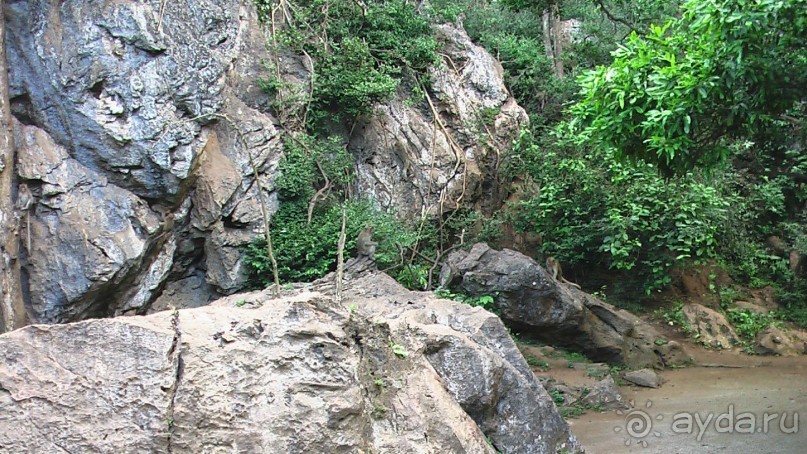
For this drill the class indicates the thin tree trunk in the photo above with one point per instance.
(12, 305)
(557, 41)
(546, 22)
(267, 232)
(340, 257)
(553, 46)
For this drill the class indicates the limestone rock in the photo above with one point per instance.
(537, 306)
(605, 394)
(394, 372)
(409, 160)
(777, 341)
(88, 237)
(155, 109)
(141, 125)
(710, 327)
(647, 378)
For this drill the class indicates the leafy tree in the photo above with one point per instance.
(726, 69)
(595, 210)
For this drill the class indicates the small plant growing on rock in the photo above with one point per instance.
(483, 301)
(379, 411)
(675, 317)
(399, 350)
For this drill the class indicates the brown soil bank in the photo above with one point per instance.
(730, 403)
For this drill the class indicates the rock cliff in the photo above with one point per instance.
(139, 122)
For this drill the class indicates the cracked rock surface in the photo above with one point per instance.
(388, 370)
(137, 123)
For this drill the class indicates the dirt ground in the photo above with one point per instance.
(728, 402)
(709, 410)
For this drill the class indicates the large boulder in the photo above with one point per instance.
(775, 340)
(710, 327)
(386, 371)
(535, 305)
(154, 108)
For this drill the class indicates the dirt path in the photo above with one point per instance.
(681, 416)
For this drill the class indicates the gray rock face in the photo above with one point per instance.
(396, 372)
(534, 304)
(447, 149)
(647, 378)
(151, 114)
(605, 394)
(87, 236)
(711, 327)
(121, 85)
(148, 116)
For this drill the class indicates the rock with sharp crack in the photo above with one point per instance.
(387, 371)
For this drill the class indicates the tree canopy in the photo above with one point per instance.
(726, 69)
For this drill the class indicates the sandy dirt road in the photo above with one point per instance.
(709, 410)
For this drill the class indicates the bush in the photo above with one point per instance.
(361, 51)
(306, 252)
(748, 324)
(592, 209)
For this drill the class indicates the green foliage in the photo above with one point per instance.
(793, 299)
(398, 350)
(414, 276)
(348, 83)
(726, 68)
(674, 316)
(578, 408)
(299, 170)
(306, 251)
(678, 96)
(593, 209)
(379, 411)
(514, 38)
(557, 396)
(362, 51)
(747, 324)
(537, 362)
(572, 357)
(486, 302)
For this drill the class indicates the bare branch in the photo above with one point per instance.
(616, 19)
